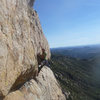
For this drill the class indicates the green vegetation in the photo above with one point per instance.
(78, 76)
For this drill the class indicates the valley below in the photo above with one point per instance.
(77, 69)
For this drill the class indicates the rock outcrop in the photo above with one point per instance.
(44, 88)
(20, 39)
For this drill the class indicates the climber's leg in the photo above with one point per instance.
(41, 65)
(47, 63)
(39, 68)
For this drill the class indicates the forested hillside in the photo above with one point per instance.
(78, 76)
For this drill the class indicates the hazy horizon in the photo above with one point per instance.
(76, 46)
(70, 23)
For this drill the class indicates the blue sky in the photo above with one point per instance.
(70, 22)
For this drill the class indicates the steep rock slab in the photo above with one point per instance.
(20, 34)
(44, 88)
(15, 96)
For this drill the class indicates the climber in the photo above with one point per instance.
(42, 60)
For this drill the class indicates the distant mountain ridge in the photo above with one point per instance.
(82, 52)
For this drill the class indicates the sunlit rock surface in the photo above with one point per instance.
(45, 87)
(20, 39)
(20, 34)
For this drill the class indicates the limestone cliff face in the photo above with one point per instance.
(20, 38)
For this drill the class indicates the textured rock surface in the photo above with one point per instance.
(20, 34)
(44, 88)
(20, 39)
(15, 96)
